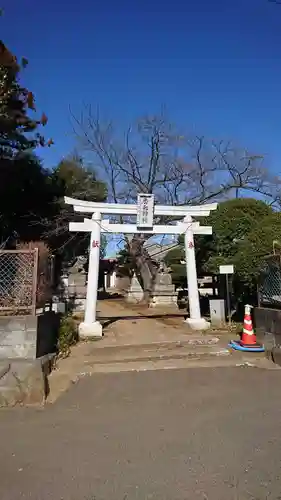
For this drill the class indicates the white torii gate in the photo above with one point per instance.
(145, 211)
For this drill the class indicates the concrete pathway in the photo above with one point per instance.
(126, 326)
(211, 434)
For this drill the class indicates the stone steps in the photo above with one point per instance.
(159, 364)
(191, 352)
(185, 357)
(144, 343)
(155, 355)
(145, 353)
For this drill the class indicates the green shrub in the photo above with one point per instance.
(68, 335)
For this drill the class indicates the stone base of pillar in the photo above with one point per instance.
(164, 298)
(198, 324)
(90, 330)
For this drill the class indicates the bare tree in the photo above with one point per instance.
(152, 157)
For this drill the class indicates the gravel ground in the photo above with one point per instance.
(168, 435)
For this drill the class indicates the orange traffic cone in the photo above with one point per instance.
(248, 336)
(248, 340)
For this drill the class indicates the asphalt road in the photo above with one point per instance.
(168, 435)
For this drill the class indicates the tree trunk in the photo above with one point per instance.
(144, 267)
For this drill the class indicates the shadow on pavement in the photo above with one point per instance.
(106, 321)
(102, 295)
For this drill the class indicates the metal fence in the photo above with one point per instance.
(270, 282)
(26, 281)
(18, 281)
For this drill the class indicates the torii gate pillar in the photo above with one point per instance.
(90, 327)
(195, 321)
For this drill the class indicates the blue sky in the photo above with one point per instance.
(214, 64)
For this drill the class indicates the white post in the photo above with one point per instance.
(105, 281)
(195, 321)
(113, 279)
(91, 327)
